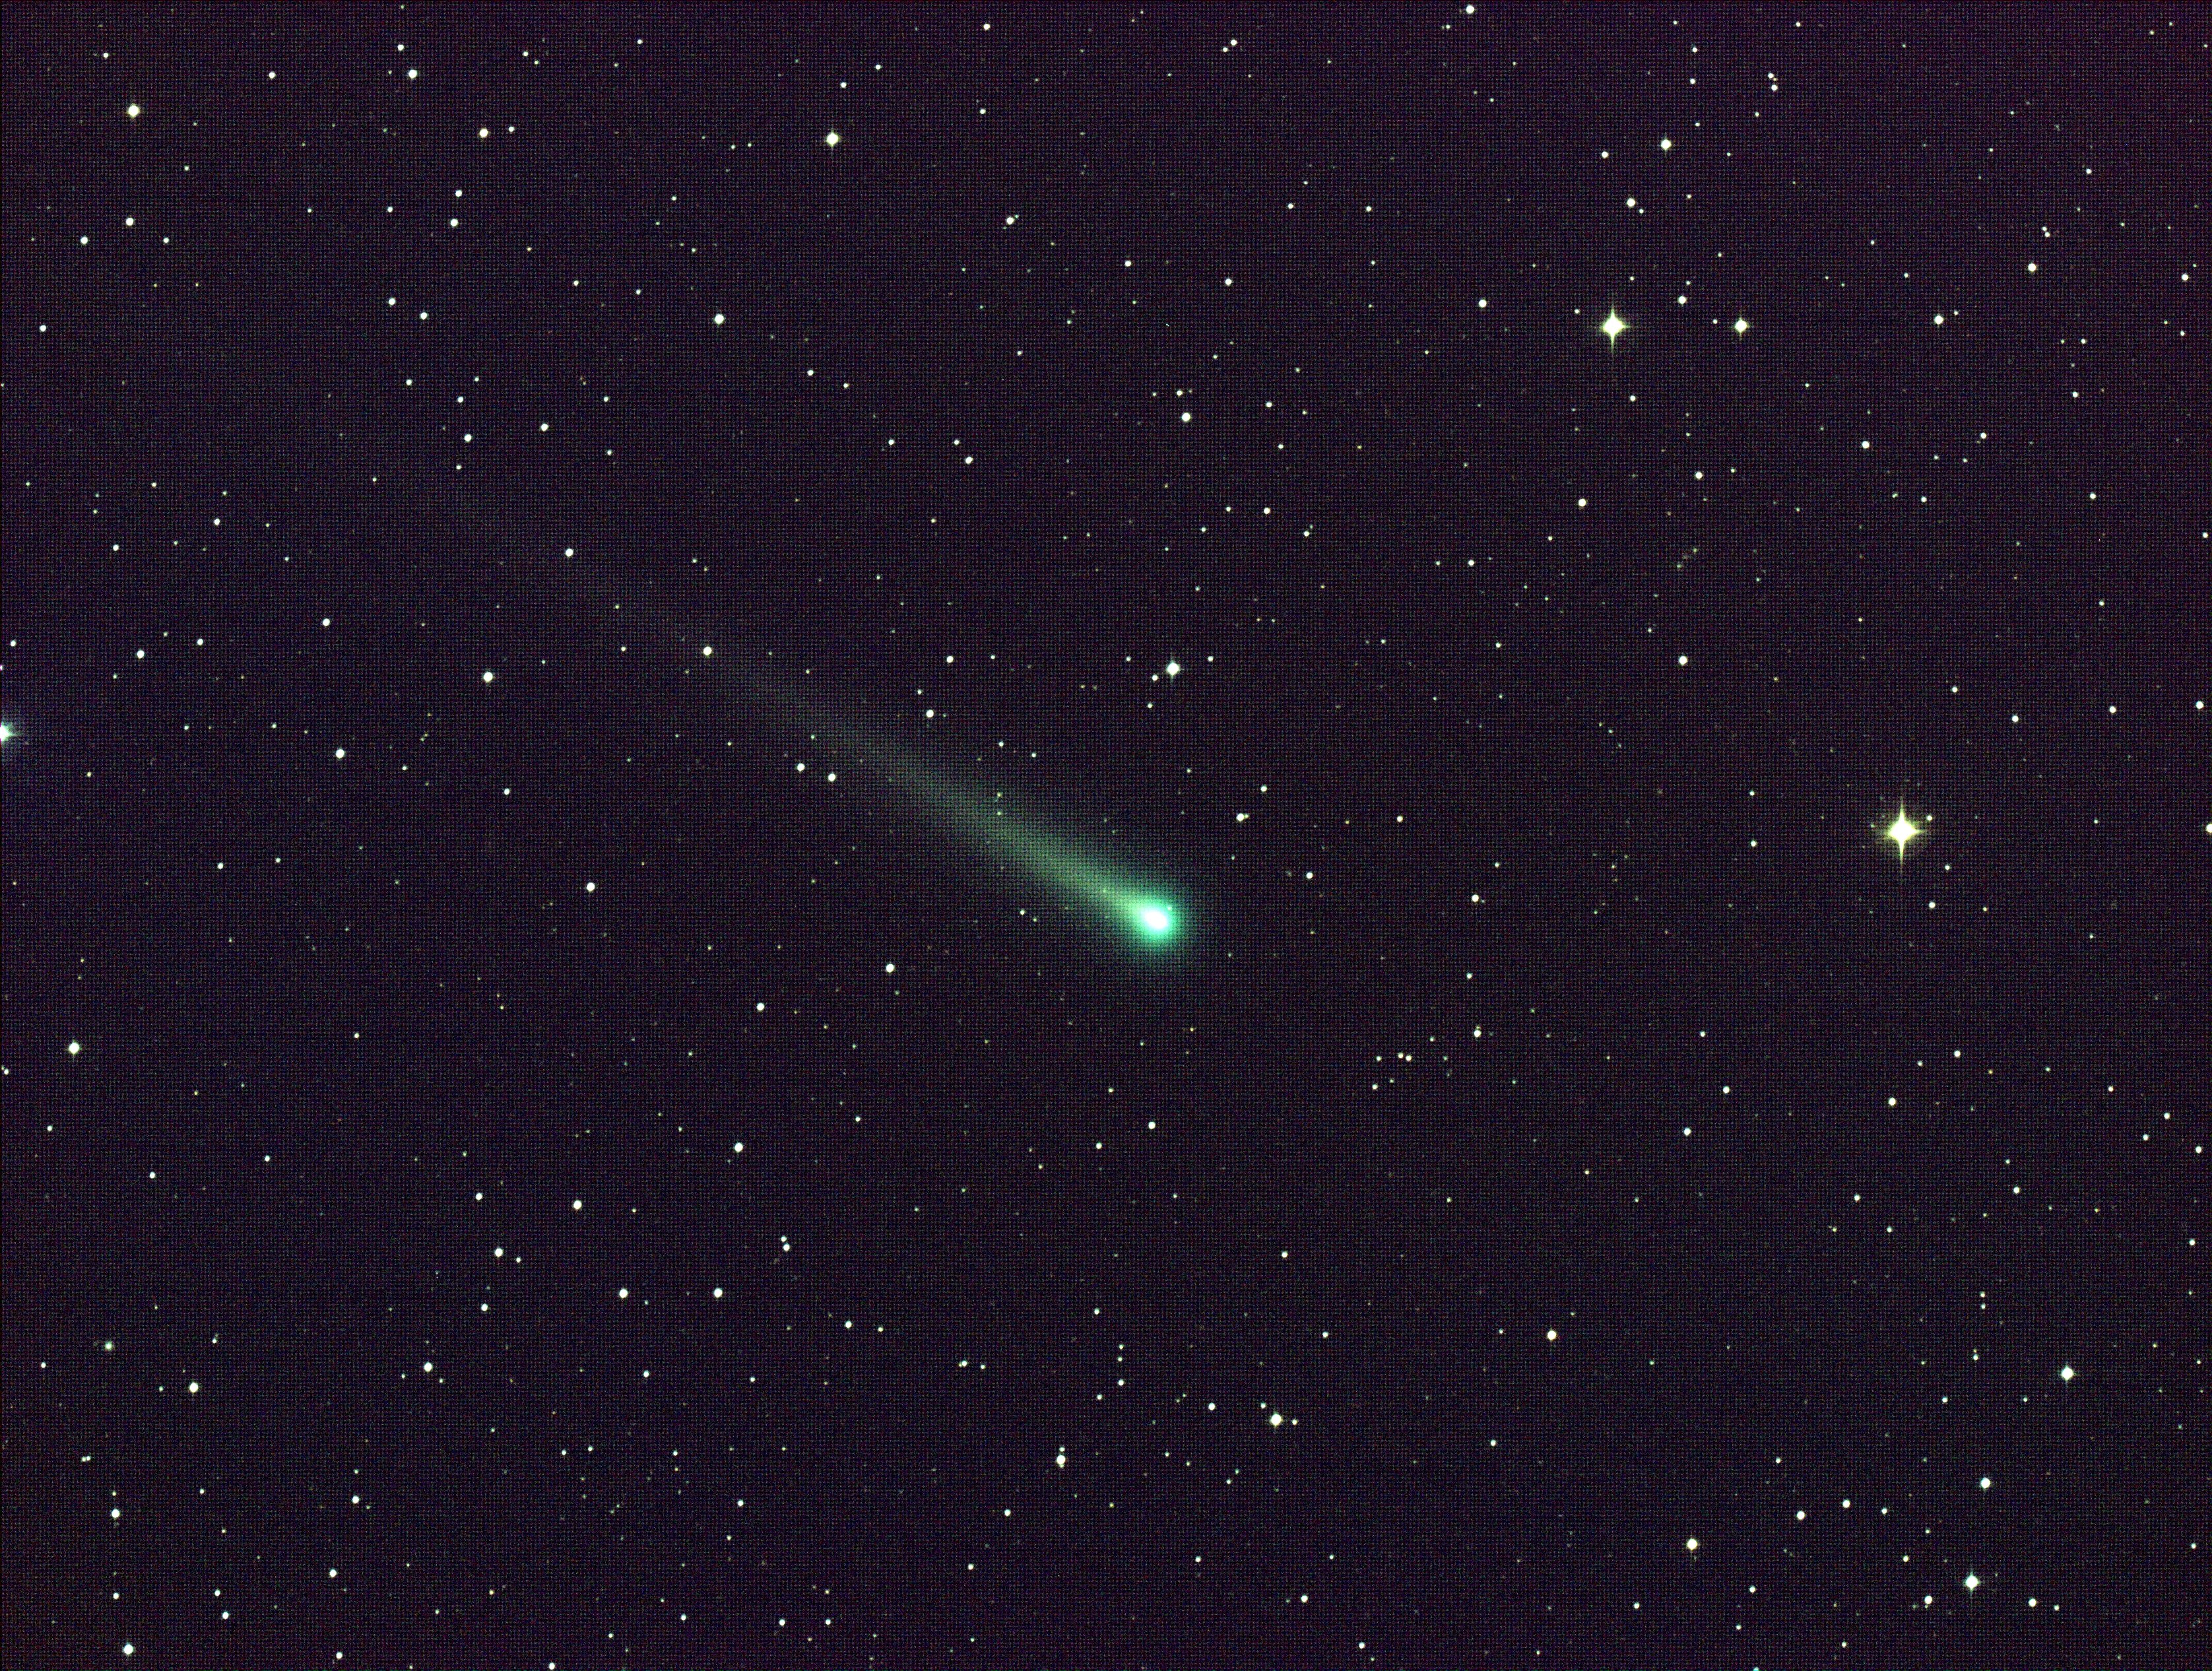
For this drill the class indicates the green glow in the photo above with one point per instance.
(1131, 905)
(1153, 919)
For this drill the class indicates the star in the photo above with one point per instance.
(1614, 326)
(1902, 830)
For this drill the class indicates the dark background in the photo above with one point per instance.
(517, 1173)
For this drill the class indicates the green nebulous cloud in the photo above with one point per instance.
(1147, 915)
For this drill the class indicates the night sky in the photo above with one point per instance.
(1117, 836)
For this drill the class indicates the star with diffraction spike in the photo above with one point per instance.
(1903, 831)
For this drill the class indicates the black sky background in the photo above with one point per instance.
(512, 1171)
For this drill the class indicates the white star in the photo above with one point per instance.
(1902, 830)
(1614, 326)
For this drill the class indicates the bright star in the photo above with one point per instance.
(1902, 830)
(1614, 326)
(7, 732)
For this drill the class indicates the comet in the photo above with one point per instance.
(1147, 915)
